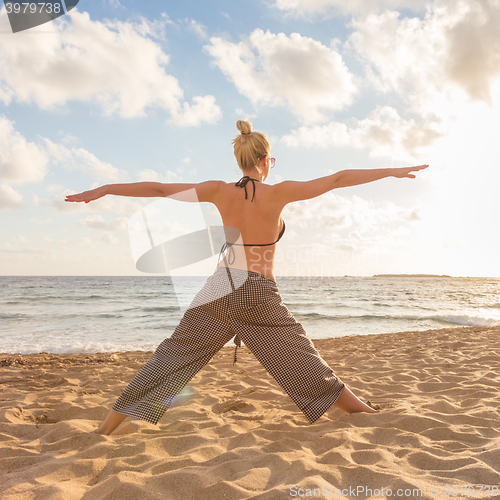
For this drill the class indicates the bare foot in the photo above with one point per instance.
(350, 403)
(375, 407)
(128, 428)
(111, 422)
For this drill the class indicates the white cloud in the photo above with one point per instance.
(450, 56)
(474, 44)
(384, 132)
(115, 64)
(439, 67)
(155, 28)
(20, 160)
(97, 222)
(153, 176)
(198, 29)
(81, 159)
(66, 137)
(331, 7)
(19, 238)
(97, 168)
(10, 249)
(9, 199)
(58, 152)
(203, 110)
(339, 213)
(346, 235)
(85, 242)
(114, 3)
(38, 221)
(110, 239)
(294, 71)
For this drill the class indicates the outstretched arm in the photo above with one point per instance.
(205, 191)
(303, 190)
(348, 178)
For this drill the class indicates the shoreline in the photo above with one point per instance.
(233, 433)
(104, 354)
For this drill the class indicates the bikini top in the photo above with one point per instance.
(228, 245)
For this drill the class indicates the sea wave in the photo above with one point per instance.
(77, 347)
(164, 309)
(453, 318)
(59, 298)
(120, 314)
(13, 316)
(466, 320)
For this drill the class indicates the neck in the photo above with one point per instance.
(255, 174)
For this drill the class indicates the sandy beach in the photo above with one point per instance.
(234, 434)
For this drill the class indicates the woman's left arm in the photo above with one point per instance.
(205, 191)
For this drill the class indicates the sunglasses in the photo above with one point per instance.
(272, 162)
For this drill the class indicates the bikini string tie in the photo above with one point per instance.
(230, 252)
(237, 342)
(243, 183)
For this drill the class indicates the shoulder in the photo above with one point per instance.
(208, 191)
(290, 191)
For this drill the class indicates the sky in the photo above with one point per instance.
(125, 91)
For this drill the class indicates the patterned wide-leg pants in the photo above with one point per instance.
(252, 311)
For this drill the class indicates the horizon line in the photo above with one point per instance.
(154, 275)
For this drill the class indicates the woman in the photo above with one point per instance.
(251, 309)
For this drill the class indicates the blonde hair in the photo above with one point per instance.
(249, 147)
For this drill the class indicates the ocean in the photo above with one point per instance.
(82, 314)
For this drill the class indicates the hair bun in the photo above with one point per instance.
(244, 126)
(249, 147)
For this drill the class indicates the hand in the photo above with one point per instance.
(86, 196)
(400, 173)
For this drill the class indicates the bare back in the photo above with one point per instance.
(258, 222)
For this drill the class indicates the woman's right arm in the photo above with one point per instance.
(290, 191)
(205, 191)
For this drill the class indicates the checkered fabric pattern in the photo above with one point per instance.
(245, 305)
